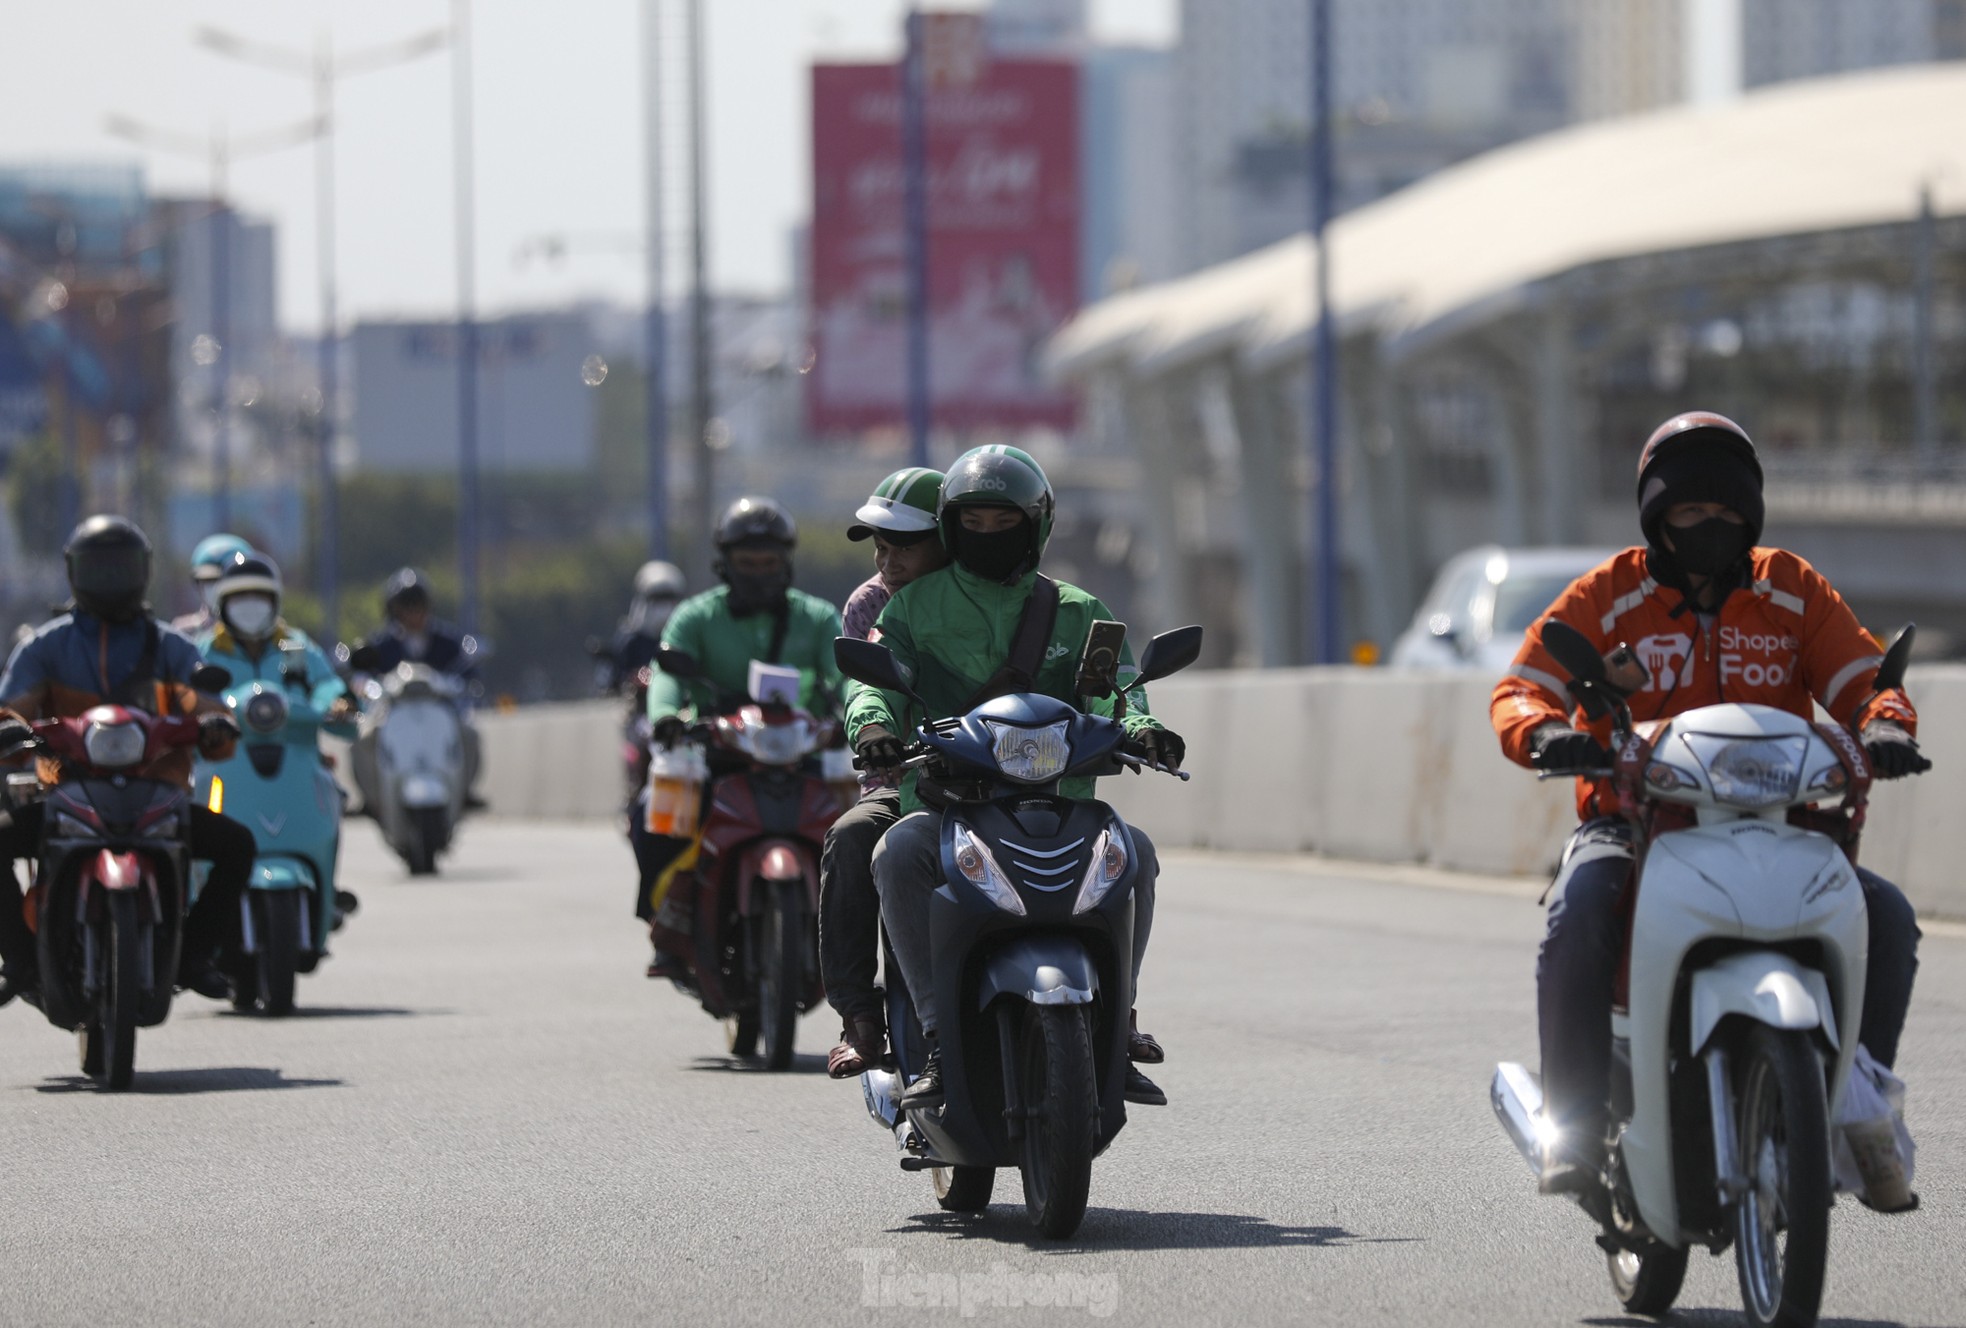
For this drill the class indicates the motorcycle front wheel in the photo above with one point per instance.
(779, 967)
(426, 836)
(1061, 1117)
(109, 1044)
(1781, 1224)
(276, 915)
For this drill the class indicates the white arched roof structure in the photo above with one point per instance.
(1797, 158)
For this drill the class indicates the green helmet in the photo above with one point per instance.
(996, 476)
(901, 504)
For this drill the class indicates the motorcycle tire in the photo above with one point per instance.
(276, 916)
(1647, 1281)
(963, 1189)
(109, 1043)
(427, 836)
(779, 971)
(1781, 1113)
(1061, 1121)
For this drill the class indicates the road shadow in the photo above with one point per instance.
(181, 1083)
(1121, 1229)
(803, 1062)
(1712, 1318)
(332, 1012)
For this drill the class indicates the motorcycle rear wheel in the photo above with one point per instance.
(779, 968)
(1647, 1281)
(1061, 1117)
(1781, 1224)
(963, 1189)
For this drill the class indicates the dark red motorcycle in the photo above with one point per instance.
(766, 807)
(109, 897)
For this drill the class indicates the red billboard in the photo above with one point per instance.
(1002, 151)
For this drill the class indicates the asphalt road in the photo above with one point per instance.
(487, 1115)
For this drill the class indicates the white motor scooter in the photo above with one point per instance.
(1737, 1024)
(415, 759)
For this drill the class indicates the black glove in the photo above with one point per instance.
(1893, 752)
(1560, 747)
(217, 731)
(877, 749)
(669, 730)
(1157, 747)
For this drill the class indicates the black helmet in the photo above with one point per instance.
(108, 567)
(1699, 457)
(752, 520)
(996, 476)
(405, 589)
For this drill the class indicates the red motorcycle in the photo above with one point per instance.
(108, 902)
(754, 947)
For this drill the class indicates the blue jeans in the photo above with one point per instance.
(1585, 940)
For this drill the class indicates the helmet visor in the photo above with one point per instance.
(109, 575)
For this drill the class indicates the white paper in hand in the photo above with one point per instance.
(773, 683)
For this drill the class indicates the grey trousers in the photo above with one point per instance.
(907, 872)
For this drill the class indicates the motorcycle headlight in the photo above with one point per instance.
(114, 746)
(1109, 859)
(1751, 773)
(266, 712)
(980, 869)
(777, 744)
(1031, 756)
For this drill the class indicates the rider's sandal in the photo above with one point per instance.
(862, 1042)
(1141, 1047)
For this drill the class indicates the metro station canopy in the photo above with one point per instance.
(1467, 243)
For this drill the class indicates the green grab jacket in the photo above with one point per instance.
(952, 629)
(725, 644)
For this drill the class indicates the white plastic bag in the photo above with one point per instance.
(1874, 1152)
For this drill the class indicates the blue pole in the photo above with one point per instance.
(1324, 362)
(914, 149)
(656, 362)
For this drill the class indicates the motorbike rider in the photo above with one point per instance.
(108, 650)
(953, 629)
(755, 615)
(1710, 617)
(412, 634)
(659, 587)
(208, 559)
(899, 517)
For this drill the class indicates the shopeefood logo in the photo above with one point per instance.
(1667, 657)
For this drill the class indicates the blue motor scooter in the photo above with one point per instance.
(279, 785)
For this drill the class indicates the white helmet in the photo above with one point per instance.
(248, 596)
(659, 580)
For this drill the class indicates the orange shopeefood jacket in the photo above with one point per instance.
(1786, 640)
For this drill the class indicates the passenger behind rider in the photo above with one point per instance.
(659, 588)
(208, 559)
(953, 630)
(1710, 618)
(755, 615)
(899, 517)
(108, 650)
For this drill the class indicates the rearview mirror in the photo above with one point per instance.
(211, 679)
(678, 663)
(1891, 673)
(1170, 652)
(1573, 650)
(873, 664)
(364, 658)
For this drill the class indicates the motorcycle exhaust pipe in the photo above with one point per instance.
(1518, 1102)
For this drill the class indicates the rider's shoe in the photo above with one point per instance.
(1141, 1047)
(19, 980)
(346, 901)
(475, 802)
(669, 964)
(861, 1043)
(926, 1091)
(1144, 1091)
(206, 979)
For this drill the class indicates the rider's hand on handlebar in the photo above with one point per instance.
(669, 730)
(1893, 752)
(216, 734)
(877, 749)
(1560, 747)
(14, 733)
(342, 710)
(1158, 747)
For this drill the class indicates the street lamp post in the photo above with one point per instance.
(656, 362)
(322, 67)
(702, 385)
(914, 167)
(1329, 582)
(221, 150)
(467, 319)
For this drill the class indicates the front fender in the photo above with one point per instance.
(1044, 970)
(1764, 986)
(281, 874)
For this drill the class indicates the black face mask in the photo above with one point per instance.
(1709, 547)
(756, 594)
(997, 555)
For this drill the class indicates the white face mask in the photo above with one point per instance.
(251, 616)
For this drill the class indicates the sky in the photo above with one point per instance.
(558, 129)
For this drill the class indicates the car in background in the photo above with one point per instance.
(1482, 602)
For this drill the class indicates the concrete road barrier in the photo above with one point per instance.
(1381, 766)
